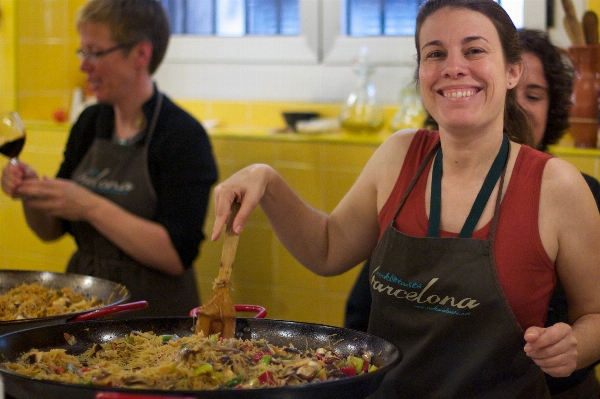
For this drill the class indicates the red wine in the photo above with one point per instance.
(13, 148)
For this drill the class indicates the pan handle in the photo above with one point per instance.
(119, 395)
(110, 310)
(260, 311)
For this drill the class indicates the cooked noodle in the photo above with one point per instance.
(144, 360)
(28, 301)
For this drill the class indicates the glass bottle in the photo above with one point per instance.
(411, 114)
(361, 113)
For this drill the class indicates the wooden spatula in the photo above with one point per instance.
(217, 315)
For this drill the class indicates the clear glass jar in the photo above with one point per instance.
(361, 112)
(411, 114)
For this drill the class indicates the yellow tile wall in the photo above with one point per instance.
(47, 69)
(7, 55)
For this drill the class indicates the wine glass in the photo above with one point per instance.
(12, 135)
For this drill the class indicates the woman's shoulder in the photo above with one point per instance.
(175, 117)
(407, 138)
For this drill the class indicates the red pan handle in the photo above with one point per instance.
(118, 395)
(260, 311)
(110, 310)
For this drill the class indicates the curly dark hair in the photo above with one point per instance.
(559, 74)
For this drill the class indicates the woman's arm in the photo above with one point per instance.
(570, 231)
(326, 244)
(143, 240)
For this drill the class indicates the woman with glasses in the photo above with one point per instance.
(134, 184)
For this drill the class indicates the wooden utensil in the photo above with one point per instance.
(217, 315)
(572, 24)
(590, 27)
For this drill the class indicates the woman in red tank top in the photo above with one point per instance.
(468, 228)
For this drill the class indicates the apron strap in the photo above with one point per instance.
(155, 114)
(496, 170)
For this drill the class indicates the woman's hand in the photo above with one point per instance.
(13, 175)
(60, 198)
(554, 349)
(247, 187)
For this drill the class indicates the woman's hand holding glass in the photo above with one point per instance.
(13, 176)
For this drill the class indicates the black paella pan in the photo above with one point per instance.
(113, 296)
(278, 332)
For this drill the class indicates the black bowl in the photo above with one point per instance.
(292, 117)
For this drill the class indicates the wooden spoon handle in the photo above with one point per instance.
(572, 24)
(590, 27)
(230, 243)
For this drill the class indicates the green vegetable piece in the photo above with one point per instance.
(165, 337)
(357, 362)
(236, 381)
(266, 359)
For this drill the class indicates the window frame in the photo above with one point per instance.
(317, 43)
(302, 49)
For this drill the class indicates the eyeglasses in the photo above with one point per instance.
(92, 56)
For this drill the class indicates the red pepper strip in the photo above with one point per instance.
(365, 368)
(266, 378)
(350, 371)
(258, 356)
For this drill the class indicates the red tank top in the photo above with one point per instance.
(525, 271)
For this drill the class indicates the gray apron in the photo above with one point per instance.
(120, 174)
(440, 301)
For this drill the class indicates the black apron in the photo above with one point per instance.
(440, 301)
(120, 174)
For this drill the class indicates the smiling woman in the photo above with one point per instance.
(432, 208)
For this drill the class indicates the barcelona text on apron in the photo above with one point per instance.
(120, 174)
(440, 301)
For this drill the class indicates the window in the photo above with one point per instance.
(233, 18)
(397, 17)
(300, 31)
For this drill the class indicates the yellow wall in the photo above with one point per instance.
(39, 40)
(7, 56)
(594, 5)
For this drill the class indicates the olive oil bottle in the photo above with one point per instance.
(361, 113)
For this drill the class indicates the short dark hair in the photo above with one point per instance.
(131, 22)
(516, 125)
(559, 74)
